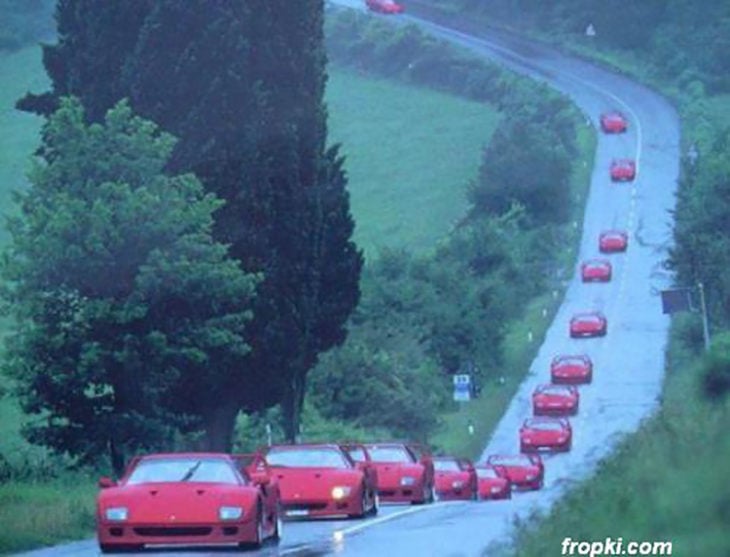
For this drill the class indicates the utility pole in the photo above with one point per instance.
(705, 322)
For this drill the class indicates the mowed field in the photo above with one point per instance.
(410, 154)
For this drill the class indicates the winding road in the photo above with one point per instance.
(628, 362)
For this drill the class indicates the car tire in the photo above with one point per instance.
(376, 504)
(259, 541)
(278, 527)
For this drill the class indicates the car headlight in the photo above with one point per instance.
(117, 514)
(457, 484)
(496, 489)
(341, 491)
(531, 477)
(407, 480)
(230, 513)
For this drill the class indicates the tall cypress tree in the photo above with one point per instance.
(241, 84)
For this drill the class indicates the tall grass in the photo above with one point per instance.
(36, 514)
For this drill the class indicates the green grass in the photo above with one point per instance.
(518, 351)
(668, 481)
(410, 153)
(35, 514)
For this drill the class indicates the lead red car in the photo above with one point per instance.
(555, 400)
(554, 434)
(612, 241)
(492, 482)
(596, 270)
(614, 122)
(455, 478)
(571, 369)
(588, 324)
(322, 480)
(623, 170)
(385, 6)
(405, 472)
(524, 471)
(185, 499)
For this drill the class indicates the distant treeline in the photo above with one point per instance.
(683, 40)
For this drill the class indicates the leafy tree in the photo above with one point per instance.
(528, 163)
(241, 85)
(127, 310)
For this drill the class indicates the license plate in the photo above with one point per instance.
(297, 512)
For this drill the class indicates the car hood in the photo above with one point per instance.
(186, 503)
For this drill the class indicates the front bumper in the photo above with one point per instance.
(219, 533)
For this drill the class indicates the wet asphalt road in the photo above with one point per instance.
(628, 362)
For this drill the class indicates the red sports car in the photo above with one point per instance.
(589, 324)
(455, 478)
(492, 482)
(385, 6)
(318, 480)
(614, 122)
(553, 434)
(623, 170)
(405, 473)
(185, 499)
(571, 369)
(596, 270)
(612, 241)
(524, 471)
(555, 400)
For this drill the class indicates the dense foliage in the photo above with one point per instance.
(240, 84)
(130, 318)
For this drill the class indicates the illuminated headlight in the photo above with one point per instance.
(117, 514)
(496, 489)
(340, 492)
(531, 477)
(230, 513)
(407, 480)
(562, 439)
(457, 484)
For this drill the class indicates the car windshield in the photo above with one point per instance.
(588, 317)
(171, 470)
(554, 390)
(596, 264)
(544, 425)
(390, 454)
(357, 454)
(517, 460)
(487, 473)
(446, 465)
(571, 361)
(306, 457)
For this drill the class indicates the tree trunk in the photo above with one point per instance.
(218, 426)
(291, 407)
(116, 457)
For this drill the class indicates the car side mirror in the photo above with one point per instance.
(106, 482)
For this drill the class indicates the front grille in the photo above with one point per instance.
(304, 506)
(172, 531)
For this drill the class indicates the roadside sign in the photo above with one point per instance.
(462, 387)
